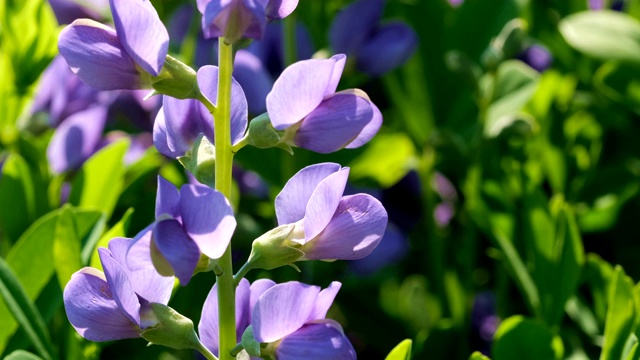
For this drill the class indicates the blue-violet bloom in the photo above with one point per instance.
(328, 225)
(291, 316)
(305, 104)
(106, 59)
(189, 222)
(116, 304)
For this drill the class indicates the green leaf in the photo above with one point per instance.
(620, 82)
(523, 339)
(604, 35)
(386, 160)
(22, 355)
(31, 258)
(477, 355)
(99, 183)
(17, 198)
(118, 230)
(66, 246)
(402, 351)
(23, 310)
(621, 316)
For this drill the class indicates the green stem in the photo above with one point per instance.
(224, 161)
(242, 272)
(207, 354)
(236, 350)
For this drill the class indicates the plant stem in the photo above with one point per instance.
(206, 353)
(224, 161)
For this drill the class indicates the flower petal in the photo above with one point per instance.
(176, 248)
(167, 199)
(92, 311)
(282, 309)
(279, 9)
(144, 278)
(94, 53)
(208, 326)
(353, 232)
(141, 32)
(316, 341)
(291, 202)
(369, 130)
(76, 139)
(184, 120)
(335, 123)
(338, 67)
(160, 136)
(353, 25)
(299, 90)
(393, 246)
(324, 301)
(256, 82)
(234, 19)
(120, 286)
(257, 289)
(208, 218)
(398, 41)
(208, 82)
(323, 203)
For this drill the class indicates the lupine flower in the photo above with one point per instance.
(180, 122)
(327, 224)
(536, 56)
(192, 221)
(116, 304)
(291, 316)
(235, 19)
(305, 104)
(107, 59)
(356, 32)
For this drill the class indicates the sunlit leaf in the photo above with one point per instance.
(522, 338)
(402, 351)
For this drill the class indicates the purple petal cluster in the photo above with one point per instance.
(329, 225)
(106, 59)
(377, 48)
(191, 221)
(116, 304)
(235, 19)
(305, 104)
(180, 122)
(290, 315)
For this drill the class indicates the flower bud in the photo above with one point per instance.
(262, 134)
(201, 160)
(173, 329)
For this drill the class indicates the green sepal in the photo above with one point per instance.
(173, 329)
(201, 161)
(262, 135)
(176, 79)
(273, 249)
(249, 342)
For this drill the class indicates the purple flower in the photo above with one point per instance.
(327, 224)
(67, 11)
(536, 56)
(192, 221)
(235, 19)
(116, 304)
(377, 48)
(106, 59)
(291, 316)
(305, 104)
(180, 122)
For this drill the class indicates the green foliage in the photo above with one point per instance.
(621, 315)
(402, 351)
(522, 338)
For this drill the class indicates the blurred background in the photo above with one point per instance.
(508, 161)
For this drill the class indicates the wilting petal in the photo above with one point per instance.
(92, 311)
(167, 199)
(316, 341)
(369, 130)
(353, 233)
(208, 326)
(291, 202)
(177, 248)
(323, 203)
(76, 139)
(354, 24)
(299, 90)
(184, 120)
(334, 124)
(208, 218)
(144, 278)
(282, 309)
(94, 53)
(120, 286)
(208, 82)
(324, 301)
(258, 288)
(279, 9)
(141, 32)
(256, 82)
(398, 41)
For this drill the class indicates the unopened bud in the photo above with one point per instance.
(201, 160)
